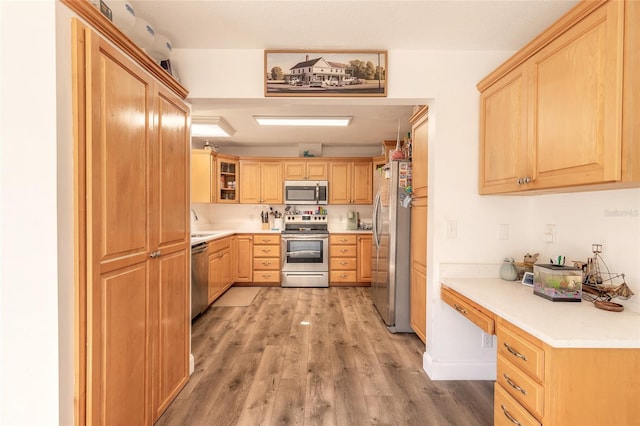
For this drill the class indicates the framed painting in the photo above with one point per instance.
(313, 73)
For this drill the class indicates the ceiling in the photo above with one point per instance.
(334, 25)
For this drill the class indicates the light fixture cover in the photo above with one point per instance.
(302, 121)
(211, 127)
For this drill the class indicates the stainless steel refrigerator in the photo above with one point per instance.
(391, 241)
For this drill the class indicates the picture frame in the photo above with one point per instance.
(527, 279)
(319, 73)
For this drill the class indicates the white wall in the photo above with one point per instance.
(29, 333)
(446, 81)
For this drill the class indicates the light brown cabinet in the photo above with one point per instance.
(220, 273)
(419, 212)
(244, 258)
(226, 179)
(350, 259)
(552, 116)
(202, 184)
(418, 265)
(364, 258)
(261, 182)
(537, 384)
(266, 259)
(133, 222)
(351, 182)
(305, 170)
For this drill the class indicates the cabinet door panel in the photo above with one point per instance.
(250, 182)
(272, 183)
(503, 134)
(172, 366)
(340, 183)
(201, 183)
(117, 181)
(362, 192)
(578, 103)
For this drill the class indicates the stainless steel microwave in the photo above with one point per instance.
(306, 191)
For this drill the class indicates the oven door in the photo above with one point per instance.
(305, 252)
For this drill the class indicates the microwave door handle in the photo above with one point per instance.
(317, 194)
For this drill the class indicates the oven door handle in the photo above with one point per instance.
(305, 237)
(299, 253)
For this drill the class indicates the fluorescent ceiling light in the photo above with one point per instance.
(302, 121)
(211, 127)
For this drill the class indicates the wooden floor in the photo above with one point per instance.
(316, 357)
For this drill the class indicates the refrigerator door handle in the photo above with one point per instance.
(374, 221)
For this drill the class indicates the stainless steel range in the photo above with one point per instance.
(305, 249)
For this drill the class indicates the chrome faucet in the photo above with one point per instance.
(195, 215)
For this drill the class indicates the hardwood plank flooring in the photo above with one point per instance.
(319, 356)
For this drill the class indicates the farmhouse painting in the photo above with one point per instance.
(331, 73)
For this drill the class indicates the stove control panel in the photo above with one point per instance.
(305, 218)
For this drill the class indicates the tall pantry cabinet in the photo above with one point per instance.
(132, 156)
(419, 172)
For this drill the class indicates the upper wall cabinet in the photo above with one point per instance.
(351, 182)
(260, 182)
(202, 185)
(305, 170)
(552, 116)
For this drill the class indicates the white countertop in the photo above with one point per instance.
(559, 324)
(214, 234)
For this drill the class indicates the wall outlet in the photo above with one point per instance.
(487, 340)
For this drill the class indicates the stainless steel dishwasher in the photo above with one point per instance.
(199, 278)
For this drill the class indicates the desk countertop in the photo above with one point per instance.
(559, 324)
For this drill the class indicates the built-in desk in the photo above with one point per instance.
(557, 363)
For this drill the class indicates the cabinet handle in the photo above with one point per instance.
(343, 240)
(343, 251)
(343, 276)
(460, 309)
(266, 263)
(514, 352)
(513, 385)
(155, 254)
(343, 263)
(266, 251)
(509, 416)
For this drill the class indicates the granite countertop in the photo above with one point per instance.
(559, 324)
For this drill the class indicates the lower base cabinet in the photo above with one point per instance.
(266, 259)
(537, 384)
(350, 259)
(220, 276)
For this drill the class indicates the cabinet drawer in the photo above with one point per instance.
(342, 239)
(266, 239)
(342, 251)
(266, 251)
(266, 276)
(524, 353)
(266, 263)
(218, 245)
(342, 263)
(342, 276)
(465, 307)
(507, 411)
(520, 386)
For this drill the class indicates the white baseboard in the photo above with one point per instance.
(458, 370)
(192, 364)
